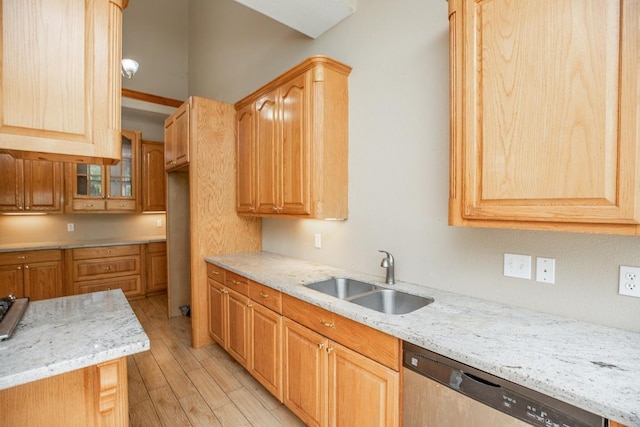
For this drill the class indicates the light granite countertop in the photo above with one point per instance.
(14, 247)
(60, 335)
(593, 367)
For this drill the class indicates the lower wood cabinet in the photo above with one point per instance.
(156, 266)
(328, 370)
(105, 267)
(34, 274)
(327, 383)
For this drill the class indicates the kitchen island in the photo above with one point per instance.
(65, 363)
(589, 366)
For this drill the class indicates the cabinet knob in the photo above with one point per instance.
(28, 207)
(224, 291)
(215, 272)
(108, 268)
(321, 345)
(329, 349)
(26, 267)
(108, 251)
(249, 305)
(122, 205)
(252, 209)
(23, 257)
(89, 205)
(327, 324)
(19, 268)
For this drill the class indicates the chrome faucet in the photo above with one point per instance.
(388, 263)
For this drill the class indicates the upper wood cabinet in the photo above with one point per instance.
(99, 188)
(153, 180)
(176, 138)
(292, 146)
(30, 185)
(544, 115)
(60, 88)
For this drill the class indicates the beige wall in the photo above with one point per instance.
(53, 228)
(398, 161)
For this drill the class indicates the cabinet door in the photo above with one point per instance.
(153, 185)
(86, 187)
(11, 184)
(266, 349)
(60, 94)
(267, 154)
(157, 278)
(294, 149)
(122, 178)
(176, 131)
(245, 201)
(305, 373)
(361, 392)
(238, 321)
(11, 280)
(42, 186)
(217, 312)
(43, 280)
(550, 124)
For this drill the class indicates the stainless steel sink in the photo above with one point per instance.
(341, 287)
(368, 295)
(390, 301)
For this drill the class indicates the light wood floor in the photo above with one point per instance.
(174, 384)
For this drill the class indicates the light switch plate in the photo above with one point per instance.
(518, 266)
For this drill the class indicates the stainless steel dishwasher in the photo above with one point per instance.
(440, 392)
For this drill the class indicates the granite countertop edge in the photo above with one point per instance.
(590, 366)
(71, 244)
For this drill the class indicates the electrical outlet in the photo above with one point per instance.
(546, 270)
(158, 223)
(518, 266)
(71, 227)
(317, 241)
(629, 282)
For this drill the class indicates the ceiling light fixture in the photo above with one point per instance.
(129, 67)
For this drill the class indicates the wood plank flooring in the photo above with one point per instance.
(174, 384)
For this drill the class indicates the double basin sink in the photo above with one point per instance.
(388, 301)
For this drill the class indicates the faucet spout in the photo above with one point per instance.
(388, 263)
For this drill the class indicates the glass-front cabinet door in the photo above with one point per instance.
(112, 188)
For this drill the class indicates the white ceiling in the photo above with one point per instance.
(310, 17)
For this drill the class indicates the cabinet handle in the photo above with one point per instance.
(173, 162)
(88, 205)
(252, 209)
(108, 251)
(329, 349)
(327, 324)
(320, 346)
(108, 268)
(263, 295)
(224, 291)
(23, 257)
(249, 305)
(215, 272)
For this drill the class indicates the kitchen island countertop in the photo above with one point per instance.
(60, 335)
(593, 367)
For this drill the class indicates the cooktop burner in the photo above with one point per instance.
(11, 311)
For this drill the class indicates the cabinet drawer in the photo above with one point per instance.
(131, 285)
(236, 282)
(88, 205)
(156, 247)
(215, 273)
(266, 296)
(106, 251)
(112, 267)
(370, 342)
(121, 205)
(25, 257)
